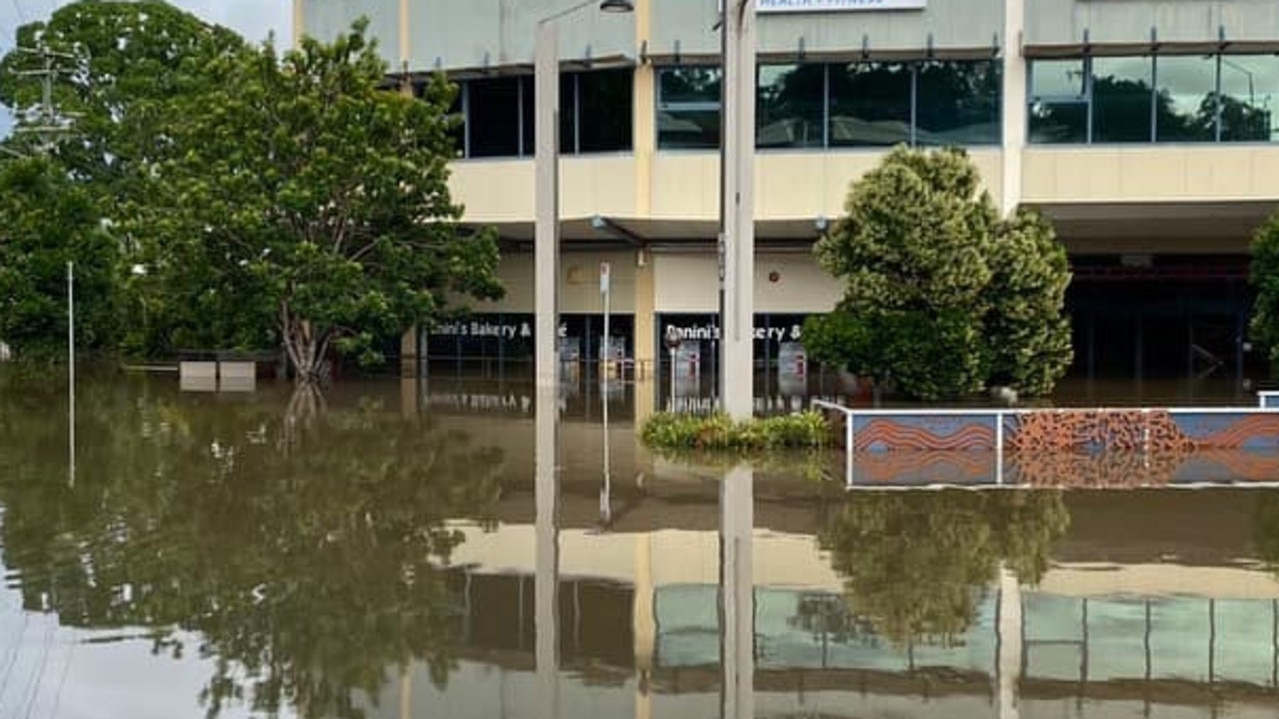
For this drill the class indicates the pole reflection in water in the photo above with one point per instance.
(737, 593)
(1008, 639)
(546, 592)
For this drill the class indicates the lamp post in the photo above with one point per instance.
(546, 256)
(737, 211)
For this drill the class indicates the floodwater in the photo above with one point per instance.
(384, 551)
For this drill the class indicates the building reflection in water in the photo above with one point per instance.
(718, 599)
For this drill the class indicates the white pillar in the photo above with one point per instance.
(1014, 105)
(737, 211)
(546, 362)
(737, 593)
(546, 236)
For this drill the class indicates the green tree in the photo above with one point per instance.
(941, 296)
(47, 220)
(1264, 274)
(308, 193)
(125, 68)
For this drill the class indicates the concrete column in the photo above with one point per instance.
(299, 23)
(1014, 105)
(737, 593)
(408, 353)
(644, 625)
(405, 35)
(546, 241)
(1009, 642)
(644, 134)
(737, 212)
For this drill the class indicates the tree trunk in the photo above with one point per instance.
(306, 347)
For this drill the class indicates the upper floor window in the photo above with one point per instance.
(862, 104)
(1162, 98)
(595, 114)
(688, 107)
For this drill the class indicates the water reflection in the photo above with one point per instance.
(371, 554)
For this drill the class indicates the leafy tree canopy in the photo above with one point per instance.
(1264, 274)
(47, 220)
(312, 203)
(122, 65)
(941, 296)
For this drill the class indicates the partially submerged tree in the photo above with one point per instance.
(941, 296)
(309, 192)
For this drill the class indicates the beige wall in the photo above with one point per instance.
(501, 190)
(683, 185)
(1130, 21)
(686, 283)
(1151, 173)
(579, 283)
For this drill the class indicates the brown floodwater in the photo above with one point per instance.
(378, 551)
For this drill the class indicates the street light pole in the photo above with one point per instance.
(737, 210)
(546, 362)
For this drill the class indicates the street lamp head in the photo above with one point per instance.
(618, 6)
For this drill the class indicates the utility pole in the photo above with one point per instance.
(48, 124)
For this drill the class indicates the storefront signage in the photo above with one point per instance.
(772, 6)
(711, 332)
(484, 328)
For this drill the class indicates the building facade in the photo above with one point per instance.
(1144, 129)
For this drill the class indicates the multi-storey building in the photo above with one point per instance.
(1143, 128)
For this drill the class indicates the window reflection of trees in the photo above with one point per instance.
(1190, 98)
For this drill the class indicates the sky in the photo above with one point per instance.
(253, 19)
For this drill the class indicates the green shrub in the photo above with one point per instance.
(719, 432)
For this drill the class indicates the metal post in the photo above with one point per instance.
(999, 448)
(672, 353)
(737, 210)
(606, 511)
(71, 373)
(848, 448)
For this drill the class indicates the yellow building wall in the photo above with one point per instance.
(1151, 173)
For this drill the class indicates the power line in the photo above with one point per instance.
(49, 124)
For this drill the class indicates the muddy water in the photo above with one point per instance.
(376, 551)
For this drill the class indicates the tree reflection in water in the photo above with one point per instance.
(916, 564)
(306, 551)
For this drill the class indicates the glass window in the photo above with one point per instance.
(1249, 84)
(604, 109)
(1058, 104)
(870, 104)
(1122, 91)
(957, 103)
(790, 106)
(493, 108)
(688, 107)
(1058, 79)
(1185, 103)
